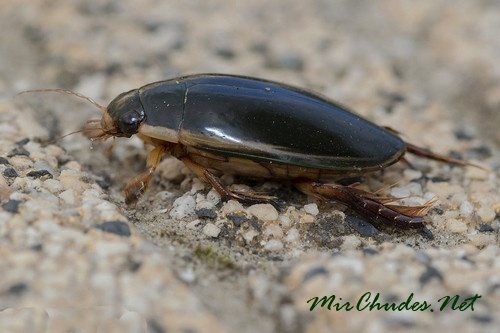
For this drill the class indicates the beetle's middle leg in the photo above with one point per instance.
(225, 193)
(368, 204)
(138, 185)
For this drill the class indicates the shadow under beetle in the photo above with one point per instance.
(245, 126)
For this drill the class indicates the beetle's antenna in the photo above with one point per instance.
(65, 91)
(62, 137)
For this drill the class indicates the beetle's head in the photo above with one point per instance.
(122, 117)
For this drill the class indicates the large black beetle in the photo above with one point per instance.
(251, 127)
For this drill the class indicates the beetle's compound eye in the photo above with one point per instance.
(129, 122)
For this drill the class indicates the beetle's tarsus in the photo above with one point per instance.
(368, 204)
(137, 186)
(247, 199)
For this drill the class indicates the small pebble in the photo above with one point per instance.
(53, 185)
(485, 228)
(12, 206)
(39, 174)
(306, 218)
(18, 151)
(351, 242)
(197, 186)
(486, 214)
(273, 245)
(68, 196)
(411, 174)
(238, 219)
(285, 221)
(250, 235)
(482, 239)
(187, 276)
(10, 173)
(4, 189)
(292, 235)
(273, 231)
(206, 213)
(73, 165)
(362, 226)
(264, 212)
(466, 208)
(4, 161)
(213, 196)
(211, 230)
(115, 227)
(22, 142)
(183, 207)
(231, 207)
(311, 209)
(43, 165)
(456, 226)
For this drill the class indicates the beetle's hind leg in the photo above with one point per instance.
(226, 194)
(426, 153)
(368, 204)
(136, 187)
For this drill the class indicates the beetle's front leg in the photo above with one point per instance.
(368, 204)
(225, 193)
(137, 186)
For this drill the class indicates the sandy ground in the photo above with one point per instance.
(75, 258)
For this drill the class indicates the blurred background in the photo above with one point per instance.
(369, 55)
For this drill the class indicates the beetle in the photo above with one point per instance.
(219, 123)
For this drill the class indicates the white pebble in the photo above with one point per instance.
(486, 214)
(53, 185)
(311, 209)
(306, 218)
(273, 245)
(285, 221)
(187, 276)
(292, 235)
(351, 242)
(411, 174)
(466, 208)
(232, 206)
(273, 231)
(68, 196)
(264, 212)
(456, 226)
(197, 186)
(211, 230)
(73, 165)
(250, 235)
(482, 240)
(183, 207)
(213, 196)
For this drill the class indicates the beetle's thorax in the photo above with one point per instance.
(160, 132)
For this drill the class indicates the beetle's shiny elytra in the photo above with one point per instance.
(219, 123)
